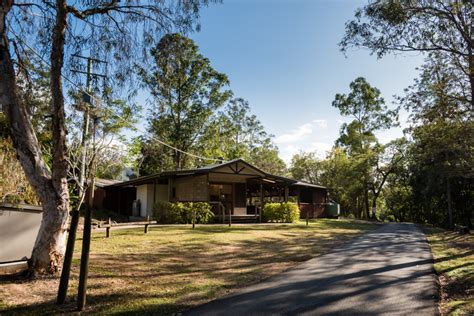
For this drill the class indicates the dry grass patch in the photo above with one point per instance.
(454, 263)
(173, 268)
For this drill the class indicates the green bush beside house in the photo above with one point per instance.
(183, 212)
(287, 212)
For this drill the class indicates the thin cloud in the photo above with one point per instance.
(295, 135)
(321, 123)
(320, 148)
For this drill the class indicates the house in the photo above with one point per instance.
(234, 187)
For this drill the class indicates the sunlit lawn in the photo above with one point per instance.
(173, 268)
(454, 263)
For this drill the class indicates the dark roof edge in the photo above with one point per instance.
(165, 174)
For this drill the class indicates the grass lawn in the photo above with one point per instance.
(454, 263)
(173, 268)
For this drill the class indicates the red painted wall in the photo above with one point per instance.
(316, 208)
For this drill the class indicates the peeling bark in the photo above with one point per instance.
(50, 186)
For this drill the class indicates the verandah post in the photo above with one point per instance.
(223, 212)
(107, 229)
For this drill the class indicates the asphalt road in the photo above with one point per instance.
(386, 271)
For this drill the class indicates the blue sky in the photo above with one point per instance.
(282, 56)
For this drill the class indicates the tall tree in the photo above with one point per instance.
(366, 107)
(441, 101)
(443, 135)
(340, 175)
(426, 26)
(186, 91)
(110, 30)
(266, 158)
(388, 160)
(307, 167)
(235, 132)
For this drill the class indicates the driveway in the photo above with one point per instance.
(386, 271)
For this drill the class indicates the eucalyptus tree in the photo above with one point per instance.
(443, 139)
(234, 132)
(114, 31)
(266, 157)
(426, 26)
(339, 174)
(389, 159)
(441, 101)
(244, 130)
(307, 167)
(365, 105)
(186, 92)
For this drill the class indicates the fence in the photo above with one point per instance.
(19, 225)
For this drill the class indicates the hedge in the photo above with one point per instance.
(287, 212)
(182, 212)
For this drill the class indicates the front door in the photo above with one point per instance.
(240, 191)
(222, 193)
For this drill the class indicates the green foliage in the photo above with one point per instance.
(365, 106)
(14, 187)
(166, 213)
(236, 133)
(397, 26)
(287, 212)
(306, 167)
(186, 91)
(433, 182)
(266, 158)
(188, 94)
(441, 154)
(183, 212)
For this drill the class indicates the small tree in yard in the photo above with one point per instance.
(110, 30)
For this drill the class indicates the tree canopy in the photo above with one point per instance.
(119, 33)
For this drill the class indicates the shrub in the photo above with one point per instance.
(287, 212)
(165, 213)
(182, 212)
(14, 187)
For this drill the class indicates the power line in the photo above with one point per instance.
(93, 97)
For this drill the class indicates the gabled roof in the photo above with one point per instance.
(238, 164)
(209, 168)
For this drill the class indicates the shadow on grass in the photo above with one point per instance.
(170, 277)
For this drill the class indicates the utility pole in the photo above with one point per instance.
(89, 103)
(86, 238)
(65, 273)
(85, 133)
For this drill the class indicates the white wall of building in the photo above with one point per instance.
(142, 192)
(145, 195)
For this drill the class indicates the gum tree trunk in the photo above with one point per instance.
(50, 186)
